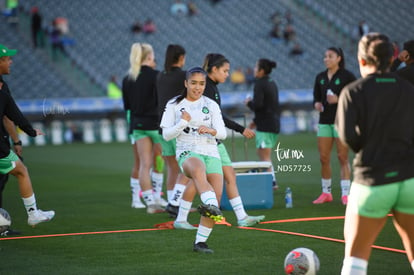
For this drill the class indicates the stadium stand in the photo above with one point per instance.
(237, 28)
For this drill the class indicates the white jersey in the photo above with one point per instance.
(203, 112)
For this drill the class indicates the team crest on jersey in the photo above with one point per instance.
(337, 81)
(322, 82)
(205, 110)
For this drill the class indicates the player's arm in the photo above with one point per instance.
(13, 113)
(347, 121)
(11, 129)
(317, 96)
(170, 129)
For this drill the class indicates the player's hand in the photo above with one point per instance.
(18, 149)
(252, 125)
(332, 99)
(39, 132)
(185, 115)
(206, 130)
(248, 133)
(318, 107)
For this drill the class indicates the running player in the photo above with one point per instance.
(375, 119)
(196, 122)
(9, 161)
(139, 94)
(328, 86)
(217, 67)
(265, 104)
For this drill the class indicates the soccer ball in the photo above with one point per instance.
(301, 261)
(5, 220)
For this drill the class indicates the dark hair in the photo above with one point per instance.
(188, 74)
(409, 47)
(340, 53)
(172, 55)
(214, 60)
(266, 64)
(376, 49)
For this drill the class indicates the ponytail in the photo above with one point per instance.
(139, 53)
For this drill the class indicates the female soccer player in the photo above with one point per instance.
(265, 104)
(328, 86)
(170, 83)
(217, 67)
(196, 122)
(139, 94)
(375, 119)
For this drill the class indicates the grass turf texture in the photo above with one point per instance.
(88, 187)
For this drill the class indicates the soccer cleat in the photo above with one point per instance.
(138, 204)
(38, 216)
(9, 232)
(250, 220)
(210, 211)
(154, 208)
(203, 248)
(184, 225)
(344, 199)
(324, 197)
(161, 201)
(172, 210)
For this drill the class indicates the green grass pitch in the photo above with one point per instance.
(88, 187)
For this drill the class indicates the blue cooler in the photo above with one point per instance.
(254, 184)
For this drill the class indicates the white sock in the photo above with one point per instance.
(30, 204)
(148, 197)
(354, 266)
(238, 208)
(326, 185)
(202, 234)
(183, 211)
(170, 194)
(345, 185)
(177, 194)
(412, 265)
(157, 180)
(209, 197)
(135, 188)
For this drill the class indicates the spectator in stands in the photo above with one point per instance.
(237, 78)
(55, 38)
(149, 27)
(289, 33)
(296, 50)
(9, 160)
(265, 105)
(363, 28)
(405, 56)
(36, 28)
(179, 8)
(275, 34)
(327, 88)
(112, 89)
(170, 83)
(374, 119)
(140, 101)
(192, 8)
(136, 27)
